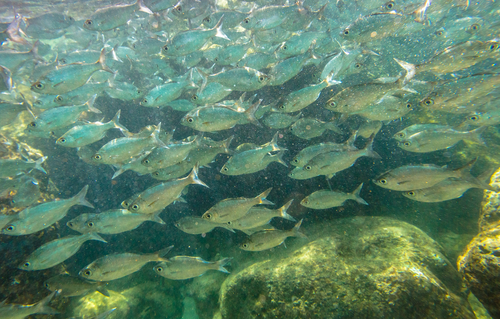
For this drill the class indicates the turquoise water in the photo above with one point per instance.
(446, 75)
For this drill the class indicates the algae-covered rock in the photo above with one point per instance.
(359, 268)
(205, 291)
(480, 268)
(479, 265)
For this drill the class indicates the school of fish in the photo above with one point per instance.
(320, 84)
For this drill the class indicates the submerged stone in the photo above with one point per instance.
(360, 267)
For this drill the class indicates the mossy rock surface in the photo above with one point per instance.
(362, 267)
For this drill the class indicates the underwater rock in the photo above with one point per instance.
(362, 267)
(205, 291)
(479, 265)
(147, 300)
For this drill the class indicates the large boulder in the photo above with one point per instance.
(362, 267)
(480, 262)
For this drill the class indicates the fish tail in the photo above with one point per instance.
(284, 214)
(118, 173)
(280, 158)
(7, 78)
(143, 8)
(369, 148)
(156, 136)
(38, 164)
(90, 104)
(332, 126)
(250, 113)
(218, 29)
(34, 51)
(356, 194)
(80, 197)
(273, 143)
(95, 236)
(204, 78)
(226, 144)
(409, 68)
(484, 180)
(464, 171)
(352, 139)
(161, 253)
(156, 218)
(100, 287)
(102, 61)
(475, 135)
(262, 197)
(295, 230)
(221, 263)
(116, 121)
(42, 306)
(193, 176)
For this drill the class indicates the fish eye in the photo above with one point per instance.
(194, 97)
(410, 193)
(389, 5)
(346, 32)
(284, 47)
(190, 120)
(46, 285)
(32, 124)
(59, 98)
(177, 224)
(308, 168)
(207, 19)
(178, 9)
(245, 245)
(63, 61)
(26, 264)
(62, 140)
(145, 101)
(306, 201)
(408, 105)
(88, 22)
(295, 161)
(229, 223)
(382, 181)
(155, 174)
(159, 269)
(165, 48)
(146, 161)
(439, 33)
(406, 143)
(474, 118)
(332, 104)
(38, 85)
(358, 65)
(475, 27)
(209, 216)
(87, 272)
(282, 107)
(428, 101)
(225, 169)
(70, 224)
(90, 224)
(38, 102)
(261, 78)
(247, 20)
(401, 134)
(135, 207)
(10, 228)
(97, 156)
(493, 46)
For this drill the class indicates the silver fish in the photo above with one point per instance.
(185, 267)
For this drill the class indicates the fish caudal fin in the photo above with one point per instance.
(280, 158)
(116, 121)
(80, 197)
(161, 253)
(38, 164)
(95, 236)
(90, 104)
(221, 263)
(143, 8)
(295, 230)
(250, 113)
(284, 214)
(369, 148)
(102, 62)
(226, 144)
(43, 308)
(193, 176)
(333, 127)
(262, 197)
(218, 28)
(156, 218)
(356, 195)
(409, 68)
(475, 135)
(102, 289)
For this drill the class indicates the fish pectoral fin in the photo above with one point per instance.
(403, 182)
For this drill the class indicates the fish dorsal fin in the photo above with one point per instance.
(246, 147)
